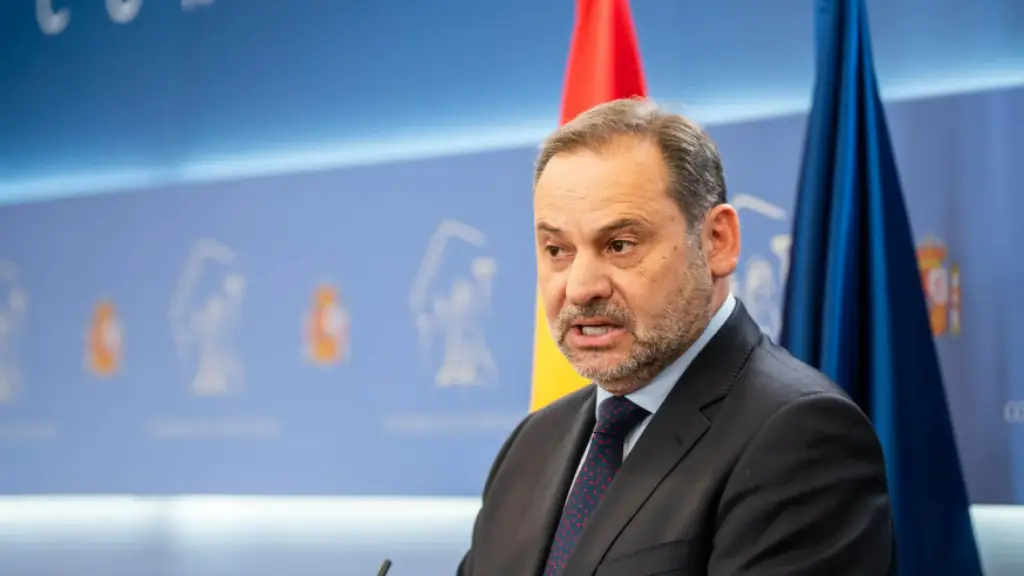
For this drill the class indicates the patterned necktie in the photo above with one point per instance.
(616, 417)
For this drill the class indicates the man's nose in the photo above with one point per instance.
(588, 281)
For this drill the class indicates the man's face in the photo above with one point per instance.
(626, 288)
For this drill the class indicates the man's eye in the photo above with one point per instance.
(620, 246)
(553, 251)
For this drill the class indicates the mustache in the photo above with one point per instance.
(570, 315)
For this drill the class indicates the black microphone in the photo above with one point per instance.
(384, 568)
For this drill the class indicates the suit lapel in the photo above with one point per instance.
(554, 483)
(678, 425)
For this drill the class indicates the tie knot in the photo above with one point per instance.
(617, 416)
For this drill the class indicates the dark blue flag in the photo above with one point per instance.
(854, 304)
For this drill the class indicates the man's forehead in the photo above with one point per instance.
(611, 175)
(593, 191)
(615, 155)
(602, 205)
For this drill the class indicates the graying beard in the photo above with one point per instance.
(649, 357)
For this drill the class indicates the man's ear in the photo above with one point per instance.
(720, 237)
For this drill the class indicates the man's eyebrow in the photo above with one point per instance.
(622, 224)
(611, 227)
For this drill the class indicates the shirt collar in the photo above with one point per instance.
(651, 396)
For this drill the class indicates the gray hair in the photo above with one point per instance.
(696, 178)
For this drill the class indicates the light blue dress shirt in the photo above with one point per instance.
(652, 396)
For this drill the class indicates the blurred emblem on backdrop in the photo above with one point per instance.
(13, 314)
(104, 339)
(205, 312)
(450, 301)
(941, 279)
(764, 260)
(326, 327)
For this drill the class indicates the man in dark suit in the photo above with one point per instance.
(702, 448)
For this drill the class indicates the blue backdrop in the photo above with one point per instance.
(354, 331)
(98, 93)
(368, 330)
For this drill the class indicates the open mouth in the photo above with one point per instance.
(595, 329)
(595, 333)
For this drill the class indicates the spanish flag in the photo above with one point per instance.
(604, 65)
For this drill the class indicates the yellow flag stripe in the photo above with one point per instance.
(553, 376)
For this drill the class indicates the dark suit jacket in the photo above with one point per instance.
(755, 464)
